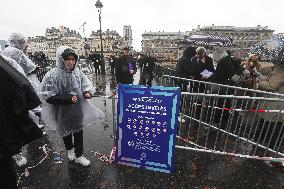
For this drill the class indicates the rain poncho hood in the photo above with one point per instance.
(61, 54)
(13, 63)
(65, 82)
(18, 41)
(19, 56)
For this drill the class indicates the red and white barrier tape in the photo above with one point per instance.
(45, 150)
(240, 110)
(108, 159)
(204, 149)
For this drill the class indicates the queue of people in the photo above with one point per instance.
(227, 70)
(222, 69)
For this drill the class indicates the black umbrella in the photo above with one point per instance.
(209, 40)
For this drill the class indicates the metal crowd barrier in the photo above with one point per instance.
(160, 70)
(227, 120)
(196, 86)
(232, 125)
(240, 126)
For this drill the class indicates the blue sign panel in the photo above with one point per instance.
(147, 120)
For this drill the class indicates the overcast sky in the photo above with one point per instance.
(32, 17)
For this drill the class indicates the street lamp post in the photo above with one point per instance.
(99, 6)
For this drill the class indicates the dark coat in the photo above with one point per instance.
(96, 59)
(200, 67)
(112, 61)
(122, 70)
(224, 72)
(17, 97)
(40, 62)
(184, 67)
(147, 67)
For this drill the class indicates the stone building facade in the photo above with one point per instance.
(37, 44)
(127, 36)
(243, 37)
(163, 45)
(168, 46)
(112, 42)
(55, 37)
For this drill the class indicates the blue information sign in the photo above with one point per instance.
(147, 120)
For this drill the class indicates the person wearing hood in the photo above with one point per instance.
(17, 49)
(66, 89)
(15, 52)
(17, 129)
(184, 67)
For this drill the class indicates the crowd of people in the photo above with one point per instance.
(124, 66)
(222, 68)
(62, 99)
(225, 69)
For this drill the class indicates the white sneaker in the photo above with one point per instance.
(83, 161)
(20, 160)
(40, 126)
(71, 155)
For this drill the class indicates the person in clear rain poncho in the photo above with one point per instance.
(15, 56)
(66, 89)
(16, 50)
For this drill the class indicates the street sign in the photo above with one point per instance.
(147, 119)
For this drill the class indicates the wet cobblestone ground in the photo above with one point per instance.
(192, 169)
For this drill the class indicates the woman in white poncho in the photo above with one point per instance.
(66, 89)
